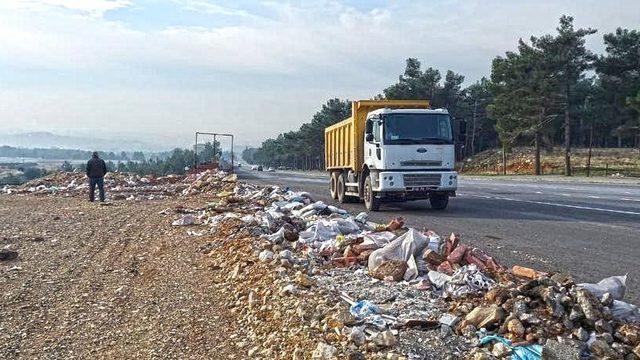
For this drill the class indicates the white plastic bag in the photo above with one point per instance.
(438, 279)
(623, 311)
(614, 285)
(321, 231)
(379, 238)
(411, 244)
(277, 237)
(435, 242)
(185, 220)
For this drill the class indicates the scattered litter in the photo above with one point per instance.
(364, 308)
(7, 255)
(521, 352)
(614, 285)
(185, 220)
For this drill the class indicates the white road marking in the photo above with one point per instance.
(560, 205)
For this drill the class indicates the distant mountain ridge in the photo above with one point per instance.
(45, 139)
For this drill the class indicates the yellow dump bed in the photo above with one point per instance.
(344, 141)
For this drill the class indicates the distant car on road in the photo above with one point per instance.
(271, 169)
(254, 167)
(259, 168)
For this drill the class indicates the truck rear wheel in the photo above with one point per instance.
(371, 203)
(333, 184)
(439, 201)
(341, 188)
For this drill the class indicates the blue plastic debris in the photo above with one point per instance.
(363, 309)
(521, 352)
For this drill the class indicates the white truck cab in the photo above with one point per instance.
(410, 154)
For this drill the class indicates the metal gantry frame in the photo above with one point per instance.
(215, 135)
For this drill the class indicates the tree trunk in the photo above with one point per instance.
(537, 167)
(504, 160)
(473, 129)
(567, 137)
(582, 139)
(589, 156)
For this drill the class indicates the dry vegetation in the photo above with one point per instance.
(604, 162)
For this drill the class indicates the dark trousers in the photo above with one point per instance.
(92, 188)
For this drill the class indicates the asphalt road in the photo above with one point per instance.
(589, 230)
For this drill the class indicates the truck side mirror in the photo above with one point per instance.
(368, 137)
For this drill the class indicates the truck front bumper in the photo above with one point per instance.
(417, 181)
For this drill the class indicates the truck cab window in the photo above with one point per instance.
(418, 128)
(373, 127)
(376, 130)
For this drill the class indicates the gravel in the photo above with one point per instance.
(106, 282)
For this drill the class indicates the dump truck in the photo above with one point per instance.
(392, 151)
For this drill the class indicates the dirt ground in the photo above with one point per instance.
(111, 282)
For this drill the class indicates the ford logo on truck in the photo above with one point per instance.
(421, 150)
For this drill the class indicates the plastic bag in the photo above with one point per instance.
(302, 197)
(626, 312)
(438, 279)
(435, 242)
(364, 308)
(277, 237)
(324, 230)
(614, 285)
(362, 217)
(411, 244)
(321, 231)
(379, 238)
(185, 220)
(346, 226)
(523, 352)
(467, 280)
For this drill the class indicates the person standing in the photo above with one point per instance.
(96, 170)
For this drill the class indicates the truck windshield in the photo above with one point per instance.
(417, 129)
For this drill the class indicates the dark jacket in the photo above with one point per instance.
(96, 168)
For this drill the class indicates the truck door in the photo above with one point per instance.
(373, 143)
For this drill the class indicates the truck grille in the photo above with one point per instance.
(421, 163)
(411, 180)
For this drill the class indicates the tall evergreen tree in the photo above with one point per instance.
(567, 59)
(619, 72)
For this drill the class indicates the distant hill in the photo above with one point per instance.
(50, 140)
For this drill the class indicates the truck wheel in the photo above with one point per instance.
(370, 201)
(439, 201)
(341, 189)
(333, 185)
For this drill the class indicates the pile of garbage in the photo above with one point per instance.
(396, 292)
(485, 309)
(124, 186)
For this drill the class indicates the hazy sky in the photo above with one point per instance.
(165, 68)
